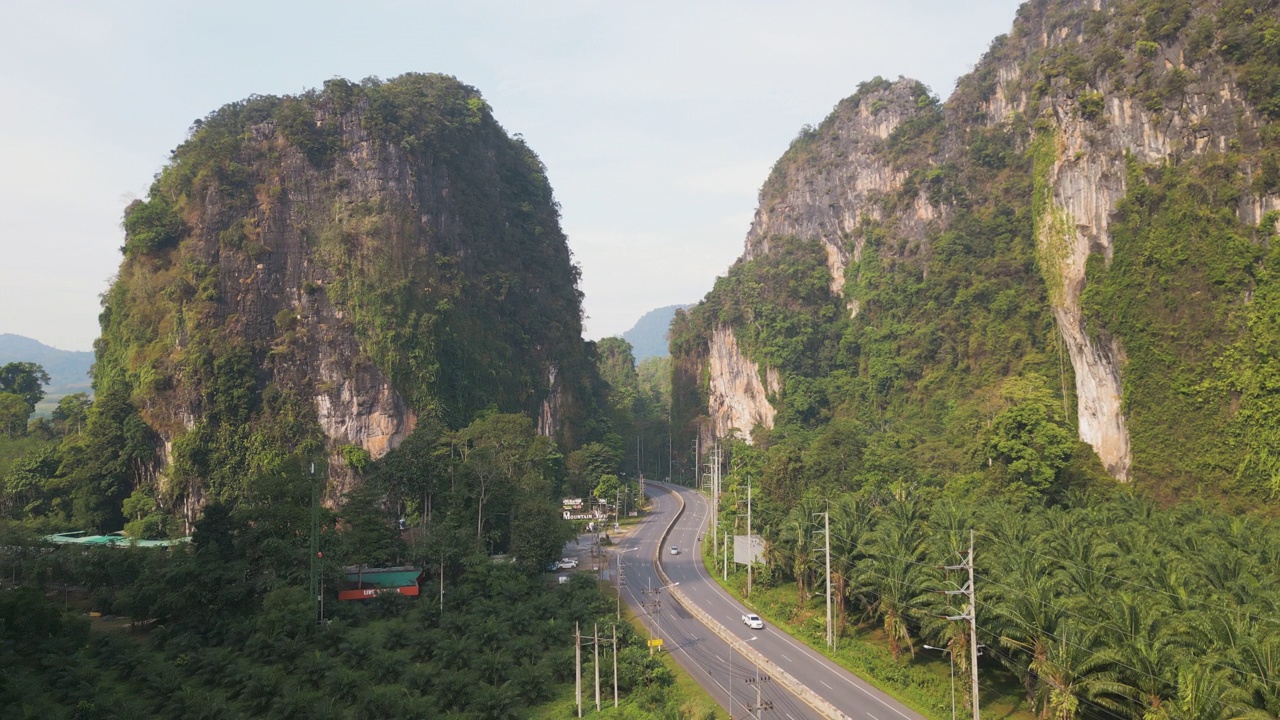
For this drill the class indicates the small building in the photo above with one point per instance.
(362, 583)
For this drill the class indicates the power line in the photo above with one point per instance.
(1053, 606)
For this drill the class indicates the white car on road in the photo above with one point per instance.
(753, 621)
(568, 563)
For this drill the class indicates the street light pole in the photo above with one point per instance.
(951, 659)
(750, 545)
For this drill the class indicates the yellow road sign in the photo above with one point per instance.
(655, 642)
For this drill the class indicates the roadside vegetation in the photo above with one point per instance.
(1105, 605)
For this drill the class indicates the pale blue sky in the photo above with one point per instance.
(658, 121)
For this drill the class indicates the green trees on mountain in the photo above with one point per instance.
(21, 387)
(637, 402)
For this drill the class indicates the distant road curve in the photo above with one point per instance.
(724, 673)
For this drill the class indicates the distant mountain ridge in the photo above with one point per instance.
(648, 337)
(68, 369)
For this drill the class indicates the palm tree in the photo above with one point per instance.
(799, 536)
(1073, 670)
(1147, 650)
(850, 524)
(1026, 610)
(1088, 563)
(893, 573)
(1205, 693)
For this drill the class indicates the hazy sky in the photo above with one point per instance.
(657, 121)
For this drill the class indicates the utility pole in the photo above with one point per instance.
(652, 604)
(618, 581)
(761, 705)
(615, 667)
(715, 494)
(973, 628)
(315, 545)
(971, 615)
(751, 557)
(577, 667)
(951, 660)
(826, 536)
(698, 459)
(595, 639)
(726, 556)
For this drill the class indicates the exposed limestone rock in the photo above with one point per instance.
(332, 265)
(835, 176)
(1080, 196)
(551, 412)
(738, 400)
(1085, 181)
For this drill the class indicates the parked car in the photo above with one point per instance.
(568, 563)
(753, 621)
(675, 550)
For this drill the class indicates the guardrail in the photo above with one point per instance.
(782, 677)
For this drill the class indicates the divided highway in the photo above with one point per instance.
(703, 653)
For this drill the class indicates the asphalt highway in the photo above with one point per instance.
(703, 653)
(699, 651)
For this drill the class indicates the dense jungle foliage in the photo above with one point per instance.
(637, 407)
(502, 643)
(224, 626)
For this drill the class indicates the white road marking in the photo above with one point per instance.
(826, 685)
(873, 717)
(788, 659)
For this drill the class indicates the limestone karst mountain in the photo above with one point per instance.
(321, 273)
(1079, 237)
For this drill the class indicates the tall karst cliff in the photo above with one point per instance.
(1084, 227)
(320, 273)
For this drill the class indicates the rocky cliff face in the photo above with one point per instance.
(1081, 166)
(316, 273)
(739, 401)
(836, 176)
(1060, 117)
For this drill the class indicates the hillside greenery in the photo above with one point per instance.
(223, 626)
(935, 394)
(463, 315)
(637, 406)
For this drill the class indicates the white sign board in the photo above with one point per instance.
(748, 550)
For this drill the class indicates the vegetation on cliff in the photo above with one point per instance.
(1107, 170)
